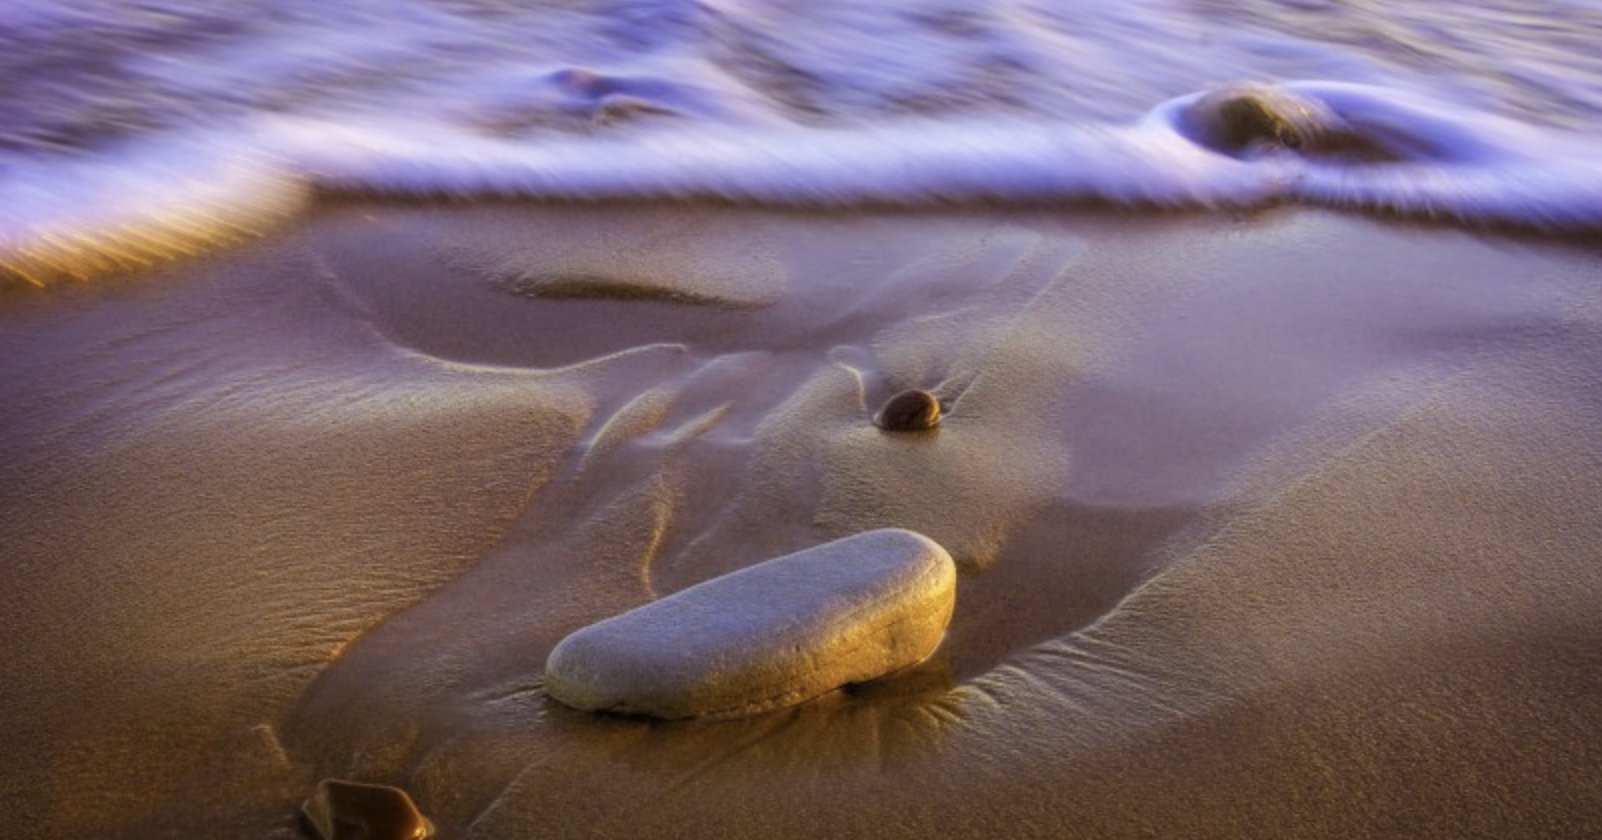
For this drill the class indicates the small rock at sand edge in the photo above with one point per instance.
(341, 810)
(912, 410)
(768, 636)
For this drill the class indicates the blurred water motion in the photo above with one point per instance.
(114, 116)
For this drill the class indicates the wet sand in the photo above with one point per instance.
(1280, 525)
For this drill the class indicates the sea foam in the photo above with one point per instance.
(1441, 162)
(134, 133)
(163, 196)
(157, 200)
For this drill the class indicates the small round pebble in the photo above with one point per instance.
(912, 410)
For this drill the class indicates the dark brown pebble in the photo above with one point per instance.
(341, 810)
(912, 410)
(1245, 120)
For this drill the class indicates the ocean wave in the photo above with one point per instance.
(156, 201)
(1322, 143)
(1327, 144)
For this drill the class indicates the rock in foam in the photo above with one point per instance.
(767, 636)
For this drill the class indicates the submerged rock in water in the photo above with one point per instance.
(341, 810)
(912, 410)
(1246, 119)
(768, 636)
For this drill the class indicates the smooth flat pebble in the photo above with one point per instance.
(768, 636)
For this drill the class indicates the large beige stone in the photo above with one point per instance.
(768, 636)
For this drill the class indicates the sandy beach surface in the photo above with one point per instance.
(1282, 524)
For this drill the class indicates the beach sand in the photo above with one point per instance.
(1284, 524)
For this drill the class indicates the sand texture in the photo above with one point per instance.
(1282, 525)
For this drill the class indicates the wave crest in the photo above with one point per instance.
(1319, 143)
